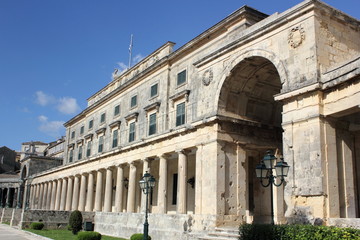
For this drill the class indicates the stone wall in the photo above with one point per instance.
(6, 214)
(51, 219)
(161, 227)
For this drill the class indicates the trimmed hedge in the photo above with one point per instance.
(36, 225)
(138, 236)
(75, 221)
(89, 236)
(296, 232)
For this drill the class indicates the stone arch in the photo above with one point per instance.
(24, 172)
(241, 56)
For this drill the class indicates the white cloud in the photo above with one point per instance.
(122, 67)
(42, 118)
(53, 129)
(65, 105)
(137, 58)
(44, 99)
(68, 105)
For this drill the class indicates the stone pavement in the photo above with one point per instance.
(11, 233)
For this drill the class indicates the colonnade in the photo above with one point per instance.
(8, 197)
(94, 190)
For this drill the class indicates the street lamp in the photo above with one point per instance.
(264, 170)
(147, 183)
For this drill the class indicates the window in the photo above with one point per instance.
(154, 90)
(82, 130)
(181, 77)
(175, 185)
(91, 124)
(102, 118)
(115, 139)
(133, 101)
(152, 124)
(180, 114)
(71, 155)
(72, 134)
(132, 132)
(101, 144)
(88, 149)
(80, 153)
(116, 110)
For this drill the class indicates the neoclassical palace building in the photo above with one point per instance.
(201, 118)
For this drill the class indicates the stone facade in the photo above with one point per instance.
(200, 118)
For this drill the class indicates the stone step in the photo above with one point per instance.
(222, 233)
(216, 238)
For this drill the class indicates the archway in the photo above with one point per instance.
(246, 99)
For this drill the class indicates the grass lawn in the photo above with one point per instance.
(63, 234)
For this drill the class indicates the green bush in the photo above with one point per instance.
(89, 236)
(138, 236)
(75, 221)
(296, 232)
(37, 225)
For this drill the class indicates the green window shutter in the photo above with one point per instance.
(152, 124)
(132, 132)
(115, 139)
(181, 77)
(154, 90)
(180, 114)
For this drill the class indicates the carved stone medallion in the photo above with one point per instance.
(296, 36)
(207, 77)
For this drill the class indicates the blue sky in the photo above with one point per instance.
(56, 54)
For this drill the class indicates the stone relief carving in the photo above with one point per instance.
(296, 36)
(207, 77)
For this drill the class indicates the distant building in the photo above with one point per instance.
(34, 157)
(8, 161)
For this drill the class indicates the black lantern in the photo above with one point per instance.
(147, 183)
(264, 170)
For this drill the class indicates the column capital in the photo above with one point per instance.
(164, 155)
(121, 165)
(110, 168)
(182, 151)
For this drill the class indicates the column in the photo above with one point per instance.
(90, 193)
(41, 193)
(132, 188)
(75, 199)
(69, 194)
(31, 200)
(37, 195)
(63, 194)
(98, 194)
(162, 189)
(53, 195)
(242, 184)
(58, 194)
(82, 193)
(119, 188)
(48, 195)
(43, 203)
(146, 168)
(182, 178)
(108, 191)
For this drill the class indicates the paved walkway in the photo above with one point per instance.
(10, 233)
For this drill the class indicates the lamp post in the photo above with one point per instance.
(265, 169)
(147, 183)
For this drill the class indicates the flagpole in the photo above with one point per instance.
(130, 50)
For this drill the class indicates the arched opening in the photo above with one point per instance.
(252, 118)
(24, 173)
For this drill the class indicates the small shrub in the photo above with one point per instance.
(37, 225)
(138, 236)
(297, 232)
(75, 221)
(89, 236)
